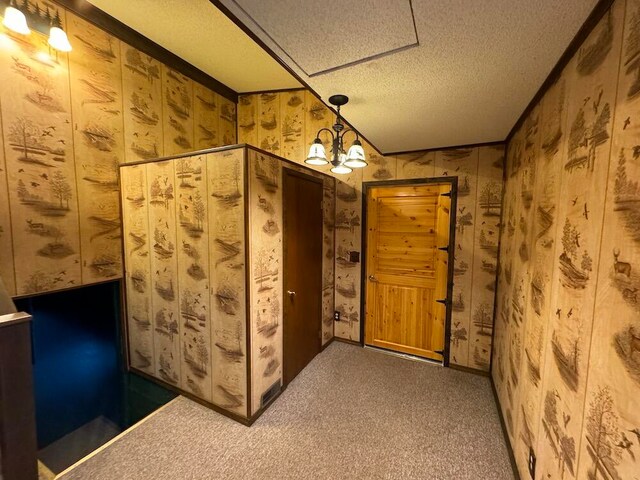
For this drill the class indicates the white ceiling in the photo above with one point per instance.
(477, 66)
(203, 36)
(478, 63)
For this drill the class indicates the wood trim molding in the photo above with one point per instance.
(472, 371)
(190, 396)
(276, 90)
(350, 342)
(601, 8)
(103, 20)
(246, 172)
(326, 345)
(453, 147)
(14, 318)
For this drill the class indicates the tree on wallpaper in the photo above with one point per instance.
(627, 345)
(458, 334)
(263, 270)
(574, 265)
(60, 188)
(585, 138)
(592, 55)
(161, 194)
(482, 318)
(563, 446)
(632, 53)
(491, 199)
(602, 434)
(627, 194)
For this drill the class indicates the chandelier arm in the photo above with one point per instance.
(326, 130)
(351, 130)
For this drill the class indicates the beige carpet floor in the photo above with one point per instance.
(353, 413)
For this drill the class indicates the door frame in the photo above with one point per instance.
(305, 176)
(366, 186)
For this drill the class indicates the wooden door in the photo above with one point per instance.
(406, 269)
(302, 271)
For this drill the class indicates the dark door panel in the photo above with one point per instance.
(302, 271)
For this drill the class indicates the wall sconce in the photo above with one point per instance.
(343, 162)
(15, 20)
(42, 21)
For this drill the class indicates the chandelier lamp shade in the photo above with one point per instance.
(342, 162)
(44, 21)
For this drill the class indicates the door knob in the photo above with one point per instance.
(372, 278)
(291, 294)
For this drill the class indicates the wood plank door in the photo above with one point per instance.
(406, 272)
(302, 271)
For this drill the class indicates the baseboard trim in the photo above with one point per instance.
(233, 416)
(259, 413)
(350, 342)
(326, 345)
(505, 434)
(473, 371)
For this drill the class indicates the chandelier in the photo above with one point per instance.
(343, 162)
(15, 19)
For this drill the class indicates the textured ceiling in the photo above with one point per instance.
(478, 65)
(392, 22)
(199, 33)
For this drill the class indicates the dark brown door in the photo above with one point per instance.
(302, 271)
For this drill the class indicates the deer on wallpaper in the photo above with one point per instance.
(620, 267)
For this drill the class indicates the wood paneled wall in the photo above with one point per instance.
(567, 343)
(203, 262)
(287, 122)
(266, 263)
(185, 274)
(68, 121)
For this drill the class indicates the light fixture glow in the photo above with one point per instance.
(15, 21)
(342, 163)
(341, 169)
(317, 155)
(58, 40)
(355, 156)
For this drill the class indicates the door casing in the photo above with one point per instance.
(453, 181)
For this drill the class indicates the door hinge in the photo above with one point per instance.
(443, 301)
(447, 194)
(444, 249)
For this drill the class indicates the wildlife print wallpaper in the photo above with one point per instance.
(226, 176)
(287, 122)
(567, 344)
(185, 274)
(67, 122)
(265, 267)
(190, 272)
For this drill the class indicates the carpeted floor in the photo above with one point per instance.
(353, 413)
